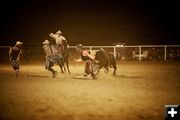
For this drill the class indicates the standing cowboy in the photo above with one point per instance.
(51, 56)
(86, 56)
(15, 53)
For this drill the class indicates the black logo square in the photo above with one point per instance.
(172, 112)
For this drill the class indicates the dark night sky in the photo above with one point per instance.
(90, 22)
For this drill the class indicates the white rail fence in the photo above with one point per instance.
(135, 46)
(139, 55)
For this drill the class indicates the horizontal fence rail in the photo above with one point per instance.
(115, 48)
(133, 46)
(4, 46)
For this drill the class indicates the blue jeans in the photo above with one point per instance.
(53, 59)
(14, 63)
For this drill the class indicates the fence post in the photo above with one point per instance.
(90, 49)
(139, 53)
(165, 53)
(114, 52)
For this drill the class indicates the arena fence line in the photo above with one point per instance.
(137, 51)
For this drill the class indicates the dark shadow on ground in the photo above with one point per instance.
(129, 77)
(81, 77)
(40, 76)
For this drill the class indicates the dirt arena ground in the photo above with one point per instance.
(139, 91)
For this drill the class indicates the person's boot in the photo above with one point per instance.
(54, 74)
(85, 75)
(93, 76)
(17, 72)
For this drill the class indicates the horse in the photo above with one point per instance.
(106, 60)
(64, 51)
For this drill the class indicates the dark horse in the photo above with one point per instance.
(106, 60)
(64, 51)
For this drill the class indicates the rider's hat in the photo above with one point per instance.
(58, 32)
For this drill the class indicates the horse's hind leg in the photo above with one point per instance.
(64, 67)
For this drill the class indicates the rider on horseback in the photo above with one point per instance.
(62, 48)
(59, 39)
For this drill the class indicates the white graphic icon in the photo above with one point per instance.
(172, 112)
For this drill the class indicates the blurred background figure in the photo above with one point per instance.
(15, 52)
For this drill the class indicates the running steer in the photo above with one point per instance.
(106, 60)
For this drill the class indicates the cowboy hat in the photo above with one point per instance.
(58, 32)
(45, 42)
(79, 47)
(19, 43)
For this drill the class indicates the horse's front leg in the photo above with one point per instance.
(67, 65)
(64, 67)
(61, 66)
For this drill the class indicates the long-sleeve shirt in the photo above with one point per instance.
(15, 52)
(50, 50)
(58, 38)
(86, 55)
